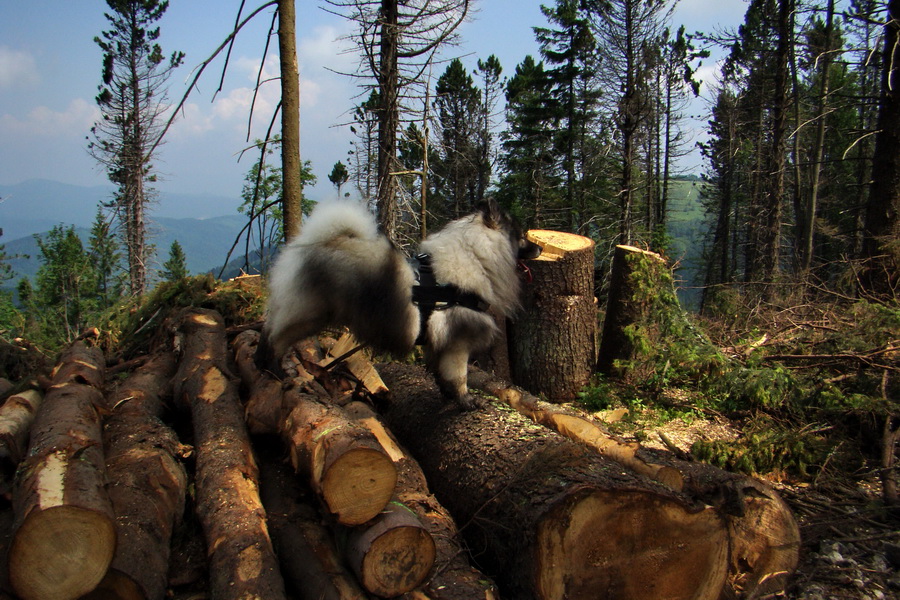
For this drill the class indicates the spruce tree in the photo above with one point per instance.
(175, 268)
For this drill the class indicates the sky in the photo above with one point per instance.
(50, 70)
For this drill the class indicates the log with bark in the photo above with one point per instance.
(553, 347)
(343, 462)
(242, 562)
(16, 416)
(548, 517)
(147, 483)
(576, 428)
(312, 567)
(64, 534)
(453, 577)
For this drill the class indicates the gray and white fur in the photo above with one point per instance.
(341, 271)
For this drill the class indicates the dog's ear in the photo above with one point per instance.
(491, 213)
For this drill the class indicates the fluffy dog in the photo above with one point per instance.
(340, 271)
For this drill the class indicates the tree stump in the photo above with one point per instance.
(549, 518)
(553, 340)
(624, 309)
(242, 563)
(64, 536)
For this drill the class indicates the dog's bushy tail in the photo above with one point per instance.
(340, 218)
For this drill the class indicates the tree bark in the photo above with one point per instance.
(623, 308)
(241, 560)
(881, 227)
(64, 537)
(290, 119)
(453, 577)
(147, 483)
(16, 416)
(577, 429)
(553, 341)
(552, 519)
(310, 562)
(388, 115)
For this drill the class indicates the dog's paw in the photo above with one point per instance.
(469, 402)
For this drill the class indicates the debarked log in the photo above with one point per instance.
(64, 534)
(242, 562)
(549, 518)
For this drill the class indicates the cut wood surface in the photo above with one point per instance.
(342, 460)
(576, 428)
(553, 340)
(242, 562)
(393, 553)
(147, 483)
(64, 534)
(453, 576)
(549, 518)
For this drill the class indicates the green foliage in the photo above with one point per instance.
(176, 267)
(767, 447)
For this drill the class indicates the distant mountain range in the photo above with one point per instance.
(37, 205)
(205, 226)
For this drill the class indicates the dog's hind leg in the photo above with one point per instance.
(451, 369)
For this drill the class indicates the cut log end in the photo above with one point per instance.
(556, 244)
(621, 545)
(61, 552)
(358, 484)
(399, 560)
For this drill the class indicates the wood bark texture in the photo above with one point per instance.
(242, 563)
(64, 535)
(577, 429)
(147, 483)
(553, 340)
(622, 310)
(549, 518)
(16, 416)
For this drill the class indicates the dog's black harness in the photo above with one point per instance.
(429, 295)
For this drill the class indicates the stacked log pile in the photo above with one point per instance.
(302, 489)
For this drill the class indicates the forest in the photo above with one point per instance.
(787, 367)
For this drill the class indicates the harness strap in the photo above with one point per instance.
(429, 295)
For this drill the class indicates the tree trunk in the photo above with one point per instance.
(64, 537)
(147, 483)
(553, 341)
(388, 115)
(550, 518)
(241, 560)
(623, 308)
(882, 219)
(453, 578)
(290, 120)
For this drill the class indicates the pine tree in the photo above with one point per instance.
(103, 250)
(175, 268)
(338, 176)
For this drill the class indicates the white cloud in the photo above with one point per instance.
(41, 121)
(17, 67)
